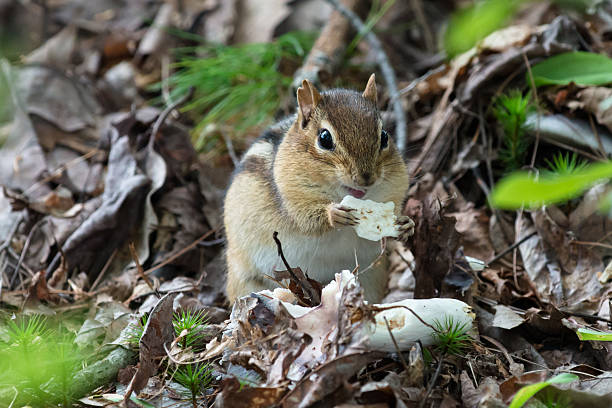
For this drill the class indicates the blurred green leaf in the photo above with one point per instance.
(525, 393)
(523, 189)
(588, 334)
(582, 68)
(473, 23)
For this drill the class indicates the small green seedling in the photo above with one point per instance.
(451, 337)
(24, 331)
(511, 111)
(563, 165)
(193, 322)
(194, 377)
(524, 394)
(241, 85)
(137, 330)
(37, 364)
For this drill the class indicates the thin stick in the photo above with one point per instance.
(397, 349)
(104, 269)
(314, 296)
(432, 382)
(61, 169)
(164, 114)
(26, 246)
(141, 271)
(385, 67)
(179, 253)
(379, 309)
(417, 8)
(510, 248)
(535, 96)
(591, 243)
(230, 148)
(413, 84)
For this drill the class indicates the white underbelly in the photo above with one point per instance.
(320, 257)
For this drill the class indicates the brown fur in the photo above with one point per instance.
(287, 184)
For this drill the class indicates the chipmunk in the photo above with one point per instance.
(292, 179)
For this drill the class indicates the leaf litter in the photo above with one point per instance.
(88, 167)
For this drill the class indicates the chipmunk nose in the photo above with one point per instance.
(365, 179)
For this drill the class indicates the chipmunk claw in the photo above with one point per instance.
(405, 226)
(341, 215)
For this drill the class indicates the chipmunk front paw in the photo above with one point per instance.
(339, 215)
(405, 226)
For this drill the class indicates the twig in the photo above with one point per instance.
(397, 349)
(417, 8)
(179, 253)
(6, 246)
(230, 148)
(586, 316)
(164, 114)
(535, 96)
(26, 246)
(107, 265)
(60, 170)
(591, 243)
(383, 247)
(385, 67)
(165, 88)
(432, 383)
(501, 347)
(510, 248)
(380, 309)
(413, 84)
(141, 271)
(314, 296)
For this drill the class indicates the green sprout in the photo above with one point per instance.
(194, 377)
(193, 322)
(137, 330)
(25, 331)
(524, 394)
(451, 337)
(511, 111)
(562, 165)
(37, 364)
(239, 85)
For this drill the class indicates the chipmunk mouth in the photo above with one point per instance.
(355, 193)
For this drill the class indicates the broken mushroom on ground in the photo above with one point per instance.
(409, 320)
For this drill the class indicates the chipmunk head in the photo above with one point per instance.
(339, 135)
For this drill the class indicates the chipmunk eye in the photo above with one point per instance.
(325, 139)
(384, 139)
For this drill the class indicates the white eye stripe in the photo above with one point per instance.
(326, 125)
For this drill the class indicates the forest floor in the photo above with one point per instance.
(114, 167)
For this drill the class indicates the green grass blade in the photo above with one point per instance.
(525, 393)
(588, 334)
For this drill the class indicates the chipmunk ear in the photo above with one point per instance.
(308, 98)
(370, 90)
